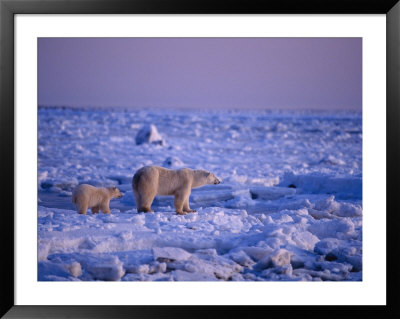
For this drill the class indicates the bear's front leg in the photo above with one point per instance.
(95, 210)
(186, 207)
(82, 208)
(178, 202)
(182, 201)
(105, 208)
(82, 211)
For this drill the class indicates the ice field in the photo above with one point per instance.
(289, 207)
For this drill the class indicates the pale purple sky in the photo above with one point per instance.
(262, 73)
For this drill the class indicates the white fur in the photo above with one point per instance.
(86, 196)
(150, 181)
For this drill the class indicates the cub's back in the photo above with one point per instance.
(82, 190)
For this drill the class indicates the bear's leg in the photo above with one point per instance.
(178, 202)
(145, 210)
(186, 207)
(105, 208)
(146, 199)
(95, 210)
(137, 200)
(82, 209)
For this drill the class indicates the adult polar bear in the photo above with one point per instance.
(150, 181)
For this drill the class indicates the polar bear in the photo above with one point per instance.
(86, 196)
(150, 181)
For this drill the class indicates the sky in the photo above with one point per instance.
(229, 73)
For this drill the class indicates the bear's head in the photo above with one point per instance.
(115, 193)
(212, 179)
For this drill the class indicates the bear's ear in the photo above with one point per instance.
(114, 188)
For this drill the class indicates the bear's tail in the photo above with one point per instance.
(74, 199)
(135, 181)
(135, 187)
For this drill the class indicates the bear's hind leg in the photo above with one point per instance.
(139, 205)
(146, 200)
(95, 210)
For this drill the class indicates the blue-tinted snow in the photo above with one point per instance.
(289, 206)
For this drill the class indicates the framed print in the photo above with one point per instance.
(170, 154)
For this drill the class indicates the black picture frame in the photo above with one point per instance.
(8, 8)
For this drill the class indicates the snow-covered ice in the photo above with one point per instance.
(289, 207)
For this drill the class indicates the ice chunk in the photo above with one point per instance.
(317, 183)
(218, 266)
(181, 275)
(147, 277)
(57, 185)
(157, 267)
(277, 258)
(242, 258)
(326, 245)
(212, 196)
(271, 193)
(341, 251)
(349, 210)
(136, 261)
(103, 267)
(170, 254)
(338, 228)
(305, 240)
(257, 253)
(280, 257)
(50, 271)
(43, 249)
(325, 208)
(274, 273)
(149, 134)
(75, 269)
(138, 269)
(331, 160)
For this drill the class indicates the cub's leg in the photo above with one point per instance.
(105, 207)
(95, 210)
(186, 207)
(82, 208)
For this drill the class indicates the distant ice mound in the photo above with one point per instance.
(331, 160)
(59, 184)
(149, 134)
(172, 162)
(342, 187)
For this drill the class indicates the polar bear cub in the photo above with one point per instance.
(150, 181)
(86, 196)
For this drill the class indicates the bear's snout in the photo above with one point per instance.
(217, 182)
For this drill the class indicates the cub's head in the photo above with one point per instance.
(212, 179)
(115, 193)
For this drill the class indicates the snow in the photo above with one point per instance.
(289, 207)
